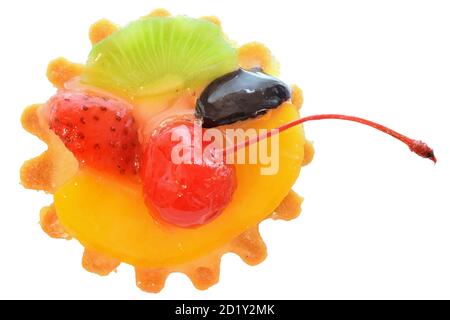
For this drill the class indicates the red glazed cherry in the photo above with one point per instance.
(185, 194)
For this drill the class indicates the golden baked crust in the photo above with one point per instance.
(101, 29)
(160, 12)
(297, 96)
(36, 173)
(53, 167)
(50, 224)
(256, 55)
(56, 165)
(61, 70)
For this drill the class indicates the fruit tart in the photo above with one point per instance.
(133, 177)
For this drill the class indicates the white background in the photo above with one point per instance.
(376, 218)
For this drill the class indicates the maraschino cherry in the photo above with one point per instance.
(192, 194)
(187, 194)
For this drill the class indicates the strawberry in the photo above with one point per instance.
(99, 131)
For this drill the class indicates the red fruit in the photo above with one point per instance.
(99, 131)
(186, 194)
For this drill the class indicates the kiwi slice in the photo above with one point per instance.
(155, 56)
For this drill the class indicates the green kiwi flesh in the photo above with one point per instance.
(160, 56)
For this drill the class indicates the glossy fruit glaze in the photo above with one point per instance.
(190, 193)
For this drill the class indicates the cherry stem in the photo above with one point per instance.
(416, 146)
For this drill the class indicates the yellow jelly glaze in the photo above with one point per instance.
(109, 215)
